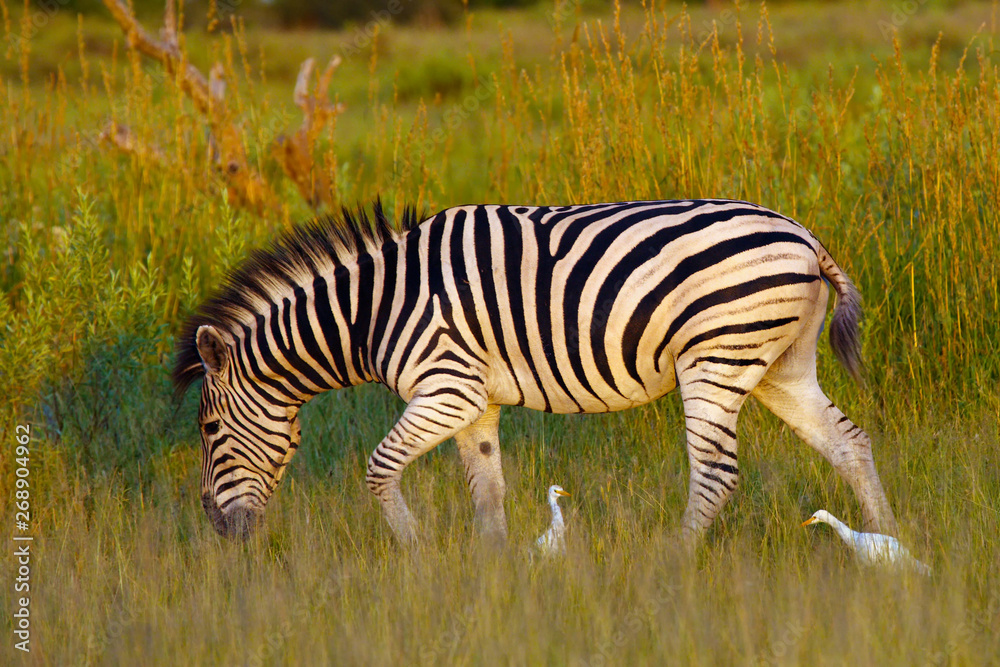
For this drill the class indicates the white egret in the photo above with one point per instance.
(553, 542)
(871, 548)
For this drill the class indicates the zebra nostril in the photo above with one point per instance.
(241, 522)
(238, 523)
(214, 513)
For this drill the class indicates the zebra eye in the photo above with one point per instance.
(211, 428)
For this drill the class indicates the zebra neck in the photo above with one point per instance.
(341, 309)
(390, 307)
(312, 337)
(342, 326)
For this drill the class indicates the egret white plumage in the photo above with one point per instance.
(871, 548)
(553, 542)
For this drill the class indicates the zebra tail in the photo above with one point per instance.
(845, 338)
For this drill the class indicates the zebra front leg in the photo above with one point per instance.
(479, 448)
(710, 411)
(427, 421)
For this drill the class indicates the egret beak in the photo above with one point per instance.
(810, 520)
(562, 493)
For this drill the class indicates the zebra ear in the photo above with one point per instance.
(211, 349)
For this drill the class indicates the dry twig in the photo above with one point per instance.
(247, 187)
(295, 153)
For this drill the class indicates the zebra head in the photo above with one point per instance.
(246, 439)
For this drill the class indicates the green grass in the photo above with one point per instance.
(135, 571)
(885, 149)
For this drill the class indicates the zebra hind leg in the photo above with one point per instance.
(798, 400)
(479, 449)
(427, 421)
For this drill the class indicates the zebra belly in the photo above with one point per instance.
(558, 402)
(610, 401)
(555, 387)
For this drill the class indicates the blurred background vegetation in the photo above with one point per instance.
(312, 15)
(304, 14)
(874, 125)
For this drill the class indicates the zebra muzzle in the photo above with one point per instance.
(238, 523)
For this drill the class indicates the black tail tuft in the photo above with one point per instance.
(845, 338)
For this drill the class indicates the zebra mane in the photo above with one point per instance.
(301, 252)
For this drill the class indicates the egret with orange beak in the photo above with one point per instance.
(871, 548)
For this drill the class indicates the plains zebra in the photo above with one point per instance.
(587, 308)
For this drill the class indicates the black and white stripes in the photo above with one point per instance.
(564, 309)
